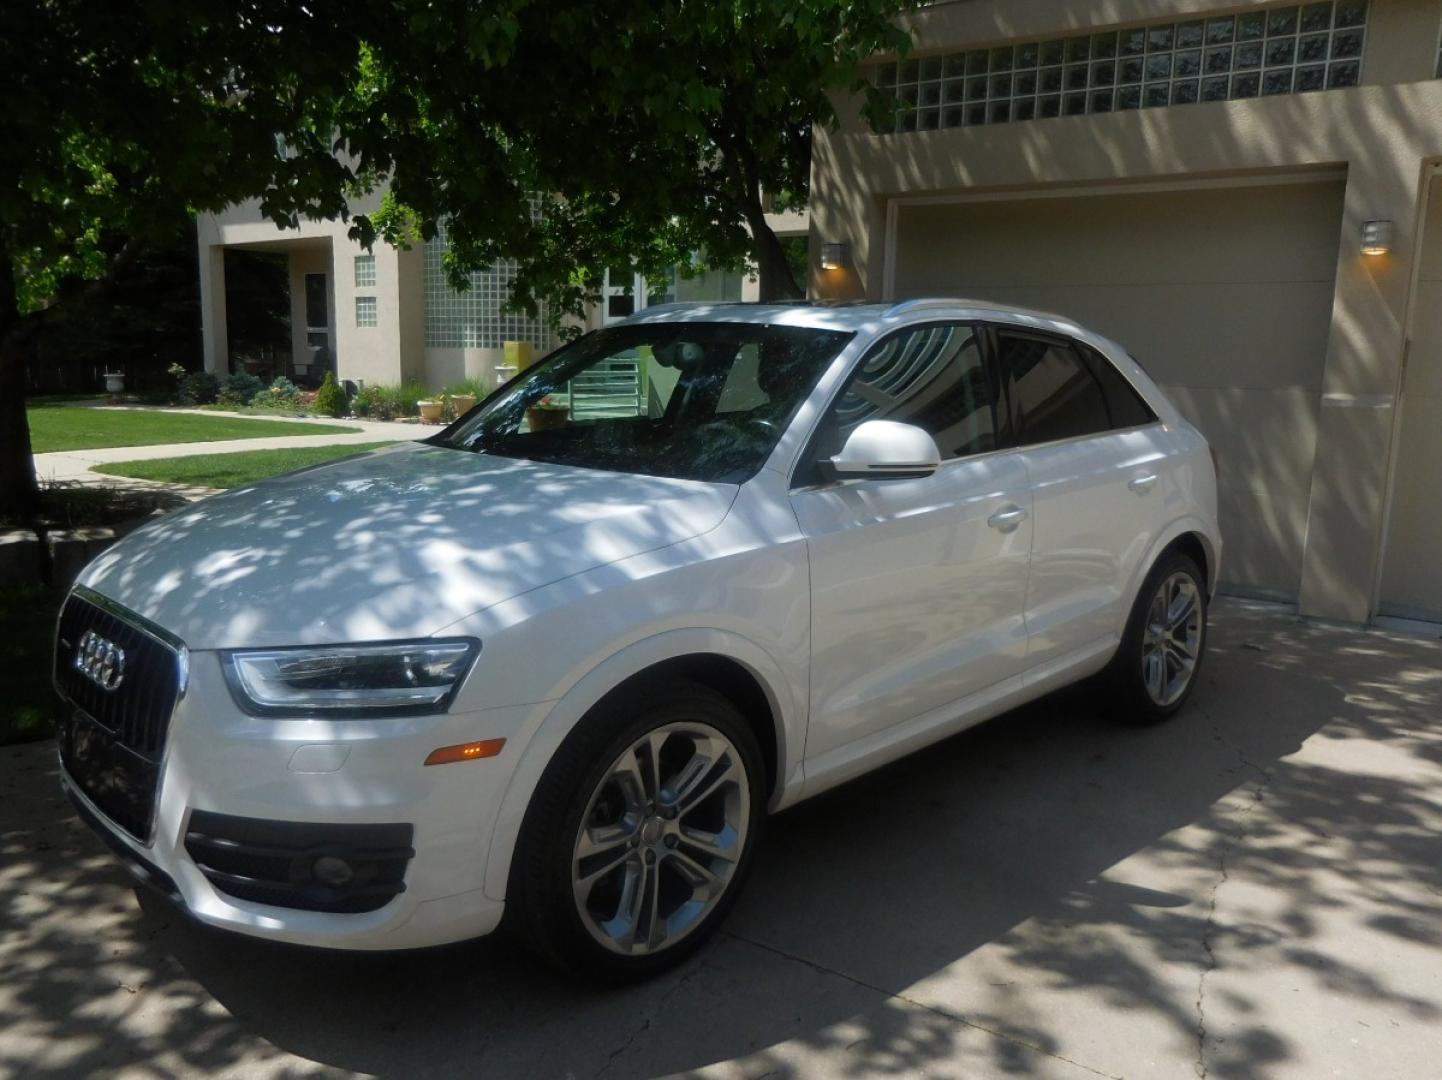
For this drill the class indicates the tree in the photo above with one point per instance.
(565, 135)
(654, 129)
(130, 113)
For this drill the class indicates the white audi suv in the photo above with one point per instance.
(556, 665)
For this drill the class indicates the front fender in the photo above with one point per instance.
(552, 720)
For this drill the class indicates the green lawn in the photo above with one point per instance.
(61, 427)
(28, 705)
(230, 470)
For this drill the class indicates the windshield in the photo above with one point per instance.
(697, 401)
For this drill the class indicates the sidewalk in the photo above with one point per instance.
(76, 466)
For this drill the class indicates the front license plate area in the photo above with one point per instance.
(120, 782)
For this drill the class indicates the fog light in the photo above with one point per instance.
(333, 871)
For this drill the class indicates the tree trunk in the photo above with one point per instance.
(19, 492)
(772, 266)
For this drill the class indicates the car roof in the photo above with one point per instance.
(845, 314)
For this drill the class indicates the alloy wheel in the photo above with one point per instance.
(661, 838)
(1172, 642)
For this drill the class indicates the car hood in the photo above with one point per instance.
(399, 542)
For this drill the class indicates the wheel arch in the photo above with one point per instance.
(1189, 534)
(1195, 545)
(731, 665)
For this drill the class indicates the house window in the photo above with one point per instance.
(1273, 50)
(365, 311)
(476, 318)
(365, 271)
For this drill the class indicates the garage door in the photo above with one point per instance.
(1411, 568)
(1224, 294)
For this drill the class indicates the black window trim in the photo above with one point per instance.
(1015, 425)
(803, 474)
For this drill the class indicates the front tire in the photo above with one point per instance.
(640, 833)
(1156, 665)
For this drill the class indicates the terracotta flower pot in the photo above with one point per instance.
(463, 403)
(430, 412)
(548, 419)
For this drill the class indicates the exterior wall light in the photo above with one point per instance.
(835, 255)
(1376, 237)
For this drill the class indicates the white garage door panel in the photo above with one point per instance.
(1224, 294)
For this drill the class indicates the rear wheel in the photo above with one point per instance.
(640, 833)
(1156, 665)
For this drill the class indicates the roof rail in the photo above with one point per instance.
(679, 305)
(921, 303)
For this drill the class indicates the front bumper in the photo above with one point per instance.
(246, 804)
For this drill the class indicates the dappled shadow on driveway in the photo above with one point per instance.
(1252, 890)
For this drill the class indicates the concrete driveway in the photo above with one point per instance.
(1254, 890)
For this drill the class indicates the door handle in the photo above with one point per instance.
(1143, 484)
(1007, 518)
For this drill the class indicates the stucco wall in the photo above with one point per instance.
(1412, 569)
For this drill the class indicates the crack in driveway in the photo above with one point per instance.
(1229, 844)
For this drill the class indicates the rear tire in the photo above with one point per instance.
(1156, 665)
(640, 833)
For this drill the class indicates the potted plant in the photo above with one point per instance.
(431, 410)
(463, 403)
(548, 414)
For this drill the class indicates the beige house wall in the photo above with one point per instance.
(1411, 583)
(1380, 134)
(445, 366)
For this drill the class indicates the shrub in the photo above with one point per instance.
(199, 388)
(330, 399)
(366, 401)
(475, 387)
(240, 389)
(389, 402)
(407, 398)
(282, 394)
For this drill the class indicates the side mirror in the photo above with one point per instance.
(885, 450)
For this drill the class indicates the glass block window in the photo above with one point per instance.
(1275, 50)
(474, 319)
(365, 311)
(365, 271)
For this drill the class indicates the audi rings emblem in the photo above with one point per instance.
(100, 661)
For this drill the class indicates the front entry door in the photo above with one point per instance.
(319, 355)
(917, 586)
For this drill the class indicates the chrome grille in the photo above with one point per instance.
(122, 678)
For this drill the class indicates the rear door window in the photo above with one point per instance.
(1054, 393)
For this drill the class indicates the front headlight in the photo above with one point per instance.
(389, 679)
